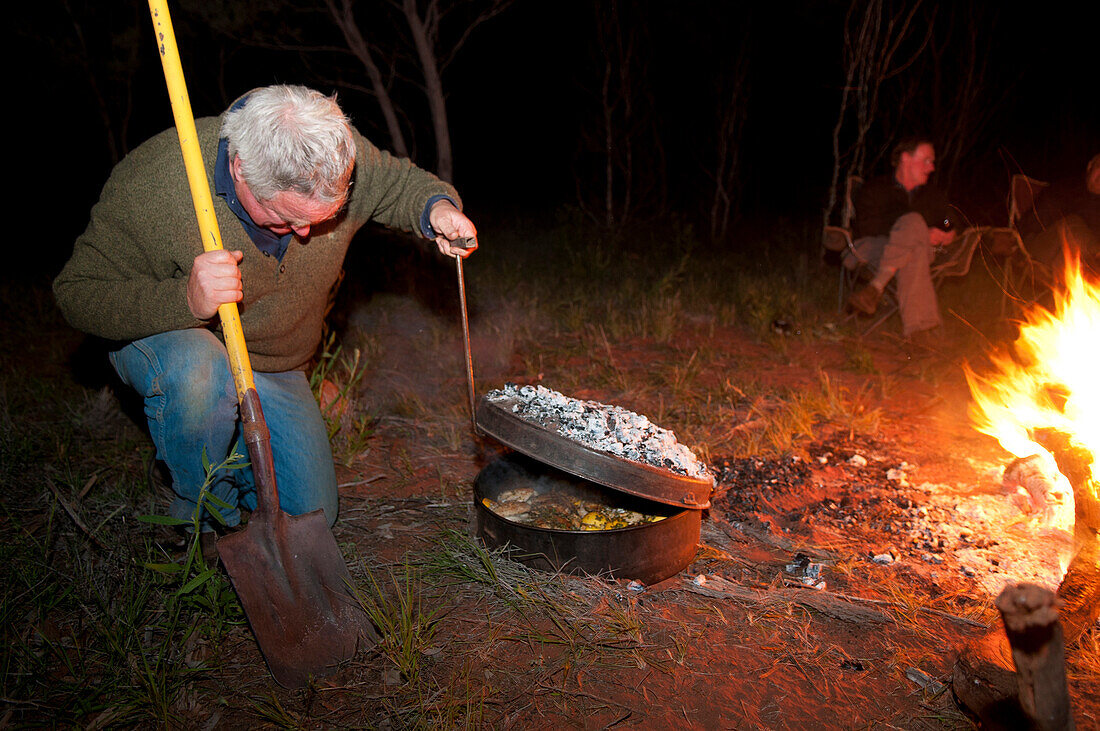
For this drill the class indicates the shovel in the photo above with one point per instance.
(288, 572)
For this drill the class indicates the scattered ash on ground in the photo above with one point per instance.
(970, 530)
(789, 472)
(750, 484)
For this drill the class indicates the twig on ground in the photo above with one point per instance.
(837, 606)
(590, 696)
(73, 516)
(720, 588)
(88, 485)
(365, 481)
(883, 602)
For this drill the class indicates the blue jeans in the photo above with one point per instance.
(191, 405)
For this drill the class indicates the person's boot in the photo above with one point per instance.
(865, 300)
(207, 541)
(178, 545)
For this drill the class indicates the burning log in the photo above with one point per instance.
(1042, 395)
(983, 678)
(984, 682)
(1080, 588)
(1038, 623)
(1075, 462)
(1030, 615)
(1080, 591)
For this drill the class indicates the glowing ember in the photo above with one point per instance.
(1049, 381)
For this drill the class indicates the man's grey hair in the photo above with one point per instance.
(292, 138)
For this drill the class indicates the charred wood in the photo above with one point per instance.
(984, 681)
(1080, 591)
(1075, 462)
(1030, 615)
(1080, 588)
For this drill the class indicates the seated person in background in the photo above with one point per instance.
(900, 220)
(1067, 217)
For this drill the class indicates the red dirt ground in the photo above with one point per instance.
(746, 646)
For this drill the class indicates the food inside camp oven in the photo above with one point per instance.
(648, 552)
(602, 427)
(570, 506)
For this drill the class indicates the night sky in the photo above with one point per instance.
(521, 96)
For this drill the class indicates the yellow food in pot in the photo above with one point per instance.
(594, 521)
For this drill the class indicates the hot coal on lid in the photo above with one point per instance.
(602, 427)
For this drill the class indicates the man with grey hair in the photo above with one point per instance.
(294, 182)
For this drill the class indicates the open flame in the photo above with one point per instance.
(1049, 379)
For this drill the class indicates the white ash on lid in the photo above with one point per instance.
(603, 427)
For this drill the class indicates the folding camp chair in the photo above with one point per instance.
(853, 267)
(953, 261)
(839, 239)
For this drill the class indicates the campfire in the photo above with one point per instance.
(1041, 401)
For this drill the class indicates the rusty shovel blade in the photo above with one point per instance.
(296, 591)
(291, 579)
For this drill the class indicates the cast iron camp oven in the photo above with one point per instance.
(548, 461)
(648, 552)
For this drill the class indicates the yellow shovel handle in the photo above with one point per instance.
(200, 188)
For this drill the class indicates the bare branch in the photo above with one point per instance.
(871, 44)
(495, 8)
(344, 18)
(424, 30)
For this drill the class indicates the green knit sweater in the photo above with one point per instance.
(127, 278)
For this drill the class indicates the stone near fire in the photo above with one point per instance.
(897, 475)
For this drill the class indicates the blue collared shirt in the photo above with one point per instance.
(269, 243)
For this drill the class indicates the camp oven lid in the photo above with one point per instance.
(541, 441)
